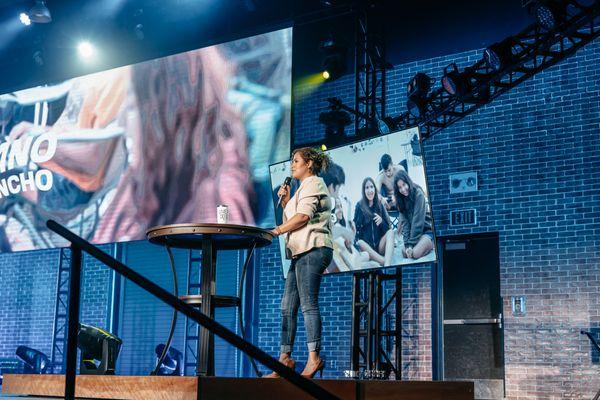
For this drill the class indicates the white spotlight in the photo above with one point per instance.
(86, 50)
(25, 20)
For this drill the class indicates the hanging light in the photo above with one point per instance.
(419, 85)
(499, 55)
(548, 13)
(417, 91)
(454, 82)
(464, 85)
(39, 13)
(334, 61)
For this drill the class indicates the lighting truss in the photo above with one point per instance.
(370, 74)
(534, 50)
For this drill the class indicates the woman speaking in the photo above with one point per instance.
(309, 243)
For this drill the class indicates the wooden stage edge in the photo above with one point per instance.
(196, 388)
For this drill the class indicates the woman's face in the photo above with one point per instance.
(300, 168)
(369, 191)
(403, 188)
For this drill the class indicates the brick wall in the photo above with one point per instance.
(28, 285)
(536, 150)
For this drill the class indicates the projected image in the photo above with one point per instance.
(165, 141)
(381, 213)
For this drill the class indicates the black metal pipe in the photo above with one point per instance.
(163, 355)
(73, 324)
(378, 321)
(239, 309)
(214, 327)
(205, 360)
(370, 317)
(355, 334)
(399, 323)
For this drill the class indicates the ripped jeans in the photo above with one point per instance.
(302, 290)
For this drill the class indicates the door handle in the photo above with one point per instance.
(475, 321)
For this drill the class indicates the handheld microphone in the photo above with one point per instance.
(286, 182)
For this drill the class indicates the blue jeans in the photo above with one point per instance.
(302, 290)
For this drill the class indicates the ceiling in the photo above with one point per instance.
(413, 30)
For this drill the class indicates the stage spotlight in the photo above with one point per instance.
(335, 120)
(334, 61)
(335, 67)
(39, 13)
(24, 18)
(463, 84)
(173, 362)
(417, 107)
(499, 55)
(35, 361)
(417, 91)
(455, 83)
(86, 50)
(99, 350)
(419, 85)
(548, 13)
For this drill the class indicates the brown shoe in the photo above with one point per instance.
(311, 369)
(288, 362)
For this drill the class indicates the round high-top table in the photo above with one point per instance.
(209, 238)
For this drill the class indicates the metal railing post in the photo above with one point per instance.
(73, 324)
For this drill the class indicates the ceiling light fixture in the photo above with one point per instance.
(39, 13)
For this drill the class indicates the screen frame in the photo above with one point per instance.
(70, 77)
(350, 143)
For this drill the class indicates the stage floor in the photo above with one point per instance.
(195, 388)
(25, 397)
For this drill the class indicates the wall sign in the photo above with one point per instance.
(463, 217)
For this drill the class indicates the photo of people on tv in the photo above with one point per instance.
(381, 211)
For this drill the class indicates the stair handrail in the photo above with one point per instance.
(78, 244)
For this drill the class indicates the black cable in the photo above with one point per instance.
(173, 320)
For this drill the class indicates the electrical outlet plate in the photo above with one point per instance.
(463, 183)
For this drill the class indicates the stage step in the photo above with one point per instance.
(271, 389)
(195, 388)
(106, 387)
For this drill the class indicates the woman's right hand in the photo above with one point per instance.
(284, 194)
(378, 220)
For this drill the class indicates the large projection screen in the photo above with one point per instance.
(401, 226)
(165, 141)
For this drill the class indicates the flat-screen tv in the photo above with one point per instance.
(381, 212)
(165, 141)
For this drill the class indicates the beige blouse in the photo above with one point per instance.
(312, 199)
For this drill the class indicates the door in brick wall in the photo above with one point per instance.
(473, 340)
